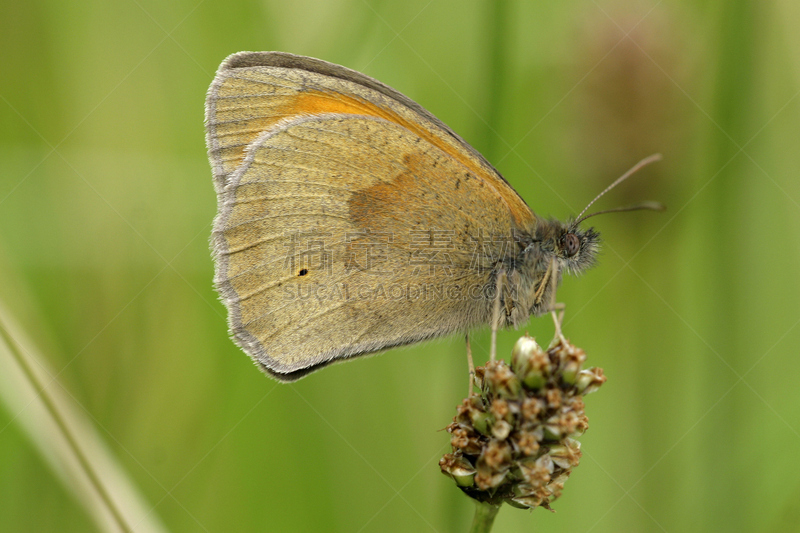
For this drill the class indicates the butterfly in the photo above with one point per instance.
(351, 220)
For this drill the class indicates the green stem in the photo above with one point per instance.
(50, 406)
(484, 517)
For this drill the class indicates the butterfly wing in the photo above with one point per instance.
(350, 219)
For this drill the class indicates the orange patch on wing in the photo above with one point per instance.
(315, 103)
(377, 207)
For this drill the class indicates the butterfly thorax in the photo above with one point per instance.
(551, 248)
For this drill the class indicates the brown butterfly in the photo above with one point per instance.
(351, 220)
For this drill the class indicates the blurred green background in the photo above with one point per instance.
(106, 203)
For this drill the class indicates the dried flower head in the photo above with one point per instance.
(515, 441)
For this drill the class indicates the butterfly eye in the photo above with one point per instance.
(571, 244)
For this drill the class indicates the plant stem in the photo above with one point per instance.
(62, 424)
(484, 517)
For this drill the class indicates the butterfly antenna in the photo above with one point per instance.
(644, 162)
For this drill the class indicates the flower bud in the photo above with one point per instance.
(459, 469)
(530, 362)
(514, 442)
(590, 380)
(501, 381)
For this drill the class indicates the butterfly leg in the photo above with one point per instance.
(501, 276)
(557, 312)
(471, 365)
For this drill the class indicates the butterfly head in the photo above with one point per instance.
(575, 248)
(553, 247)
(562, 246)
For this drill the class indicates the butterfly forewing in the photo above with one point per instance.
(350, 219)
